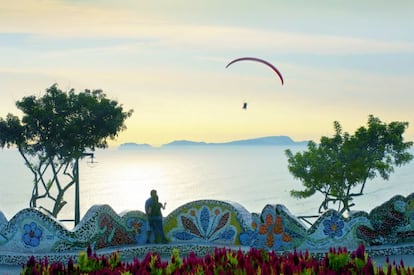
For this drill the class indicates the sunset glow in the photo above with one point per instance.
(166, 60)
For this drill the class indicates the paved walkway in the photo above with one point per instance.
(408, 260)
(9, 269)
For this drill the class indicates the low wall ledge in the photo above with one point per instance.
(204, 224)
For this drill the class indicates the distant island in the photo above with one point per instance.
(262, 141)
(133, 145)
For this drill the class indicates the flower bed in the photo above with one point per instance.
(222, 261)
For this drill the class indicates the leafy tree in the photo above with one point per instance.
(339, 167)
(55, 132)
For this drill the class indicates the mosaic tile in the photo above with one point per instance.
(200, 226)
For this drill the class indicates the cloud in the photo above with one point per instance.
(146, 55)
(49, 20)
(231, 38)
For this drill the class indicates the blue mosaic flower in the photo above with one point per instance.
(32, 234)
(333, 227)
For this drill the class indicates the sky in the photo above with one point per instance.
(166, 60)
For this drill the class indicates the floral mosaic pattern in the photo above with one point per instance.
(205, 225)
(32, 234)
(410, 211)
(392, 222)
(135, 224)
(112, 233)
(273, 230)
(333, 227)
(139, 227)
(209, 222)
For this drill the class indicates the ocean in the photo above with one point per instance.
(252, 176)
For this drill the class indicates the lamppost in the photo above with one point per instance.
(77, 196)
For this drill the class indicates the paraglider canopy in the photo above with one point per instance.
(258, 60)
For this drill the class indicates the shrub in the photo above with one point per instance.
(222, 261)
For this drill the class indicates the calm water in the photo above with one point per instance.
(251, 176)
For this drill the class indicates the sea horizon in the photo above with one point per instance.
(251, 176)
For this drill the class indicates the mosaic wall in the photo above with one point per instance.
(209, 222)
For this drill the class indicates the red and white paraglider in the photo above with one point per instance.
(258, 60)
(255, 59)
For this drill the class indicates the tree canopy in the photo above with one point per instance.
(56, 129)
(63, 124)
(339, 166)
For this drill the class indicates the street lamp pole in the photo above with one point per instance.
(77, 195)
(77, 203)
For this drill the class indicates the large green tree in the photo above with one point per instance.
(55, 132)
(339, 166)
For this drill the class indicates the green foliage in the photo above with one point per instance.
(340, 164)
(63, 124)
(337, 261)
(88, 264)
(114, 260)
(56, 129)
(175, 263)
